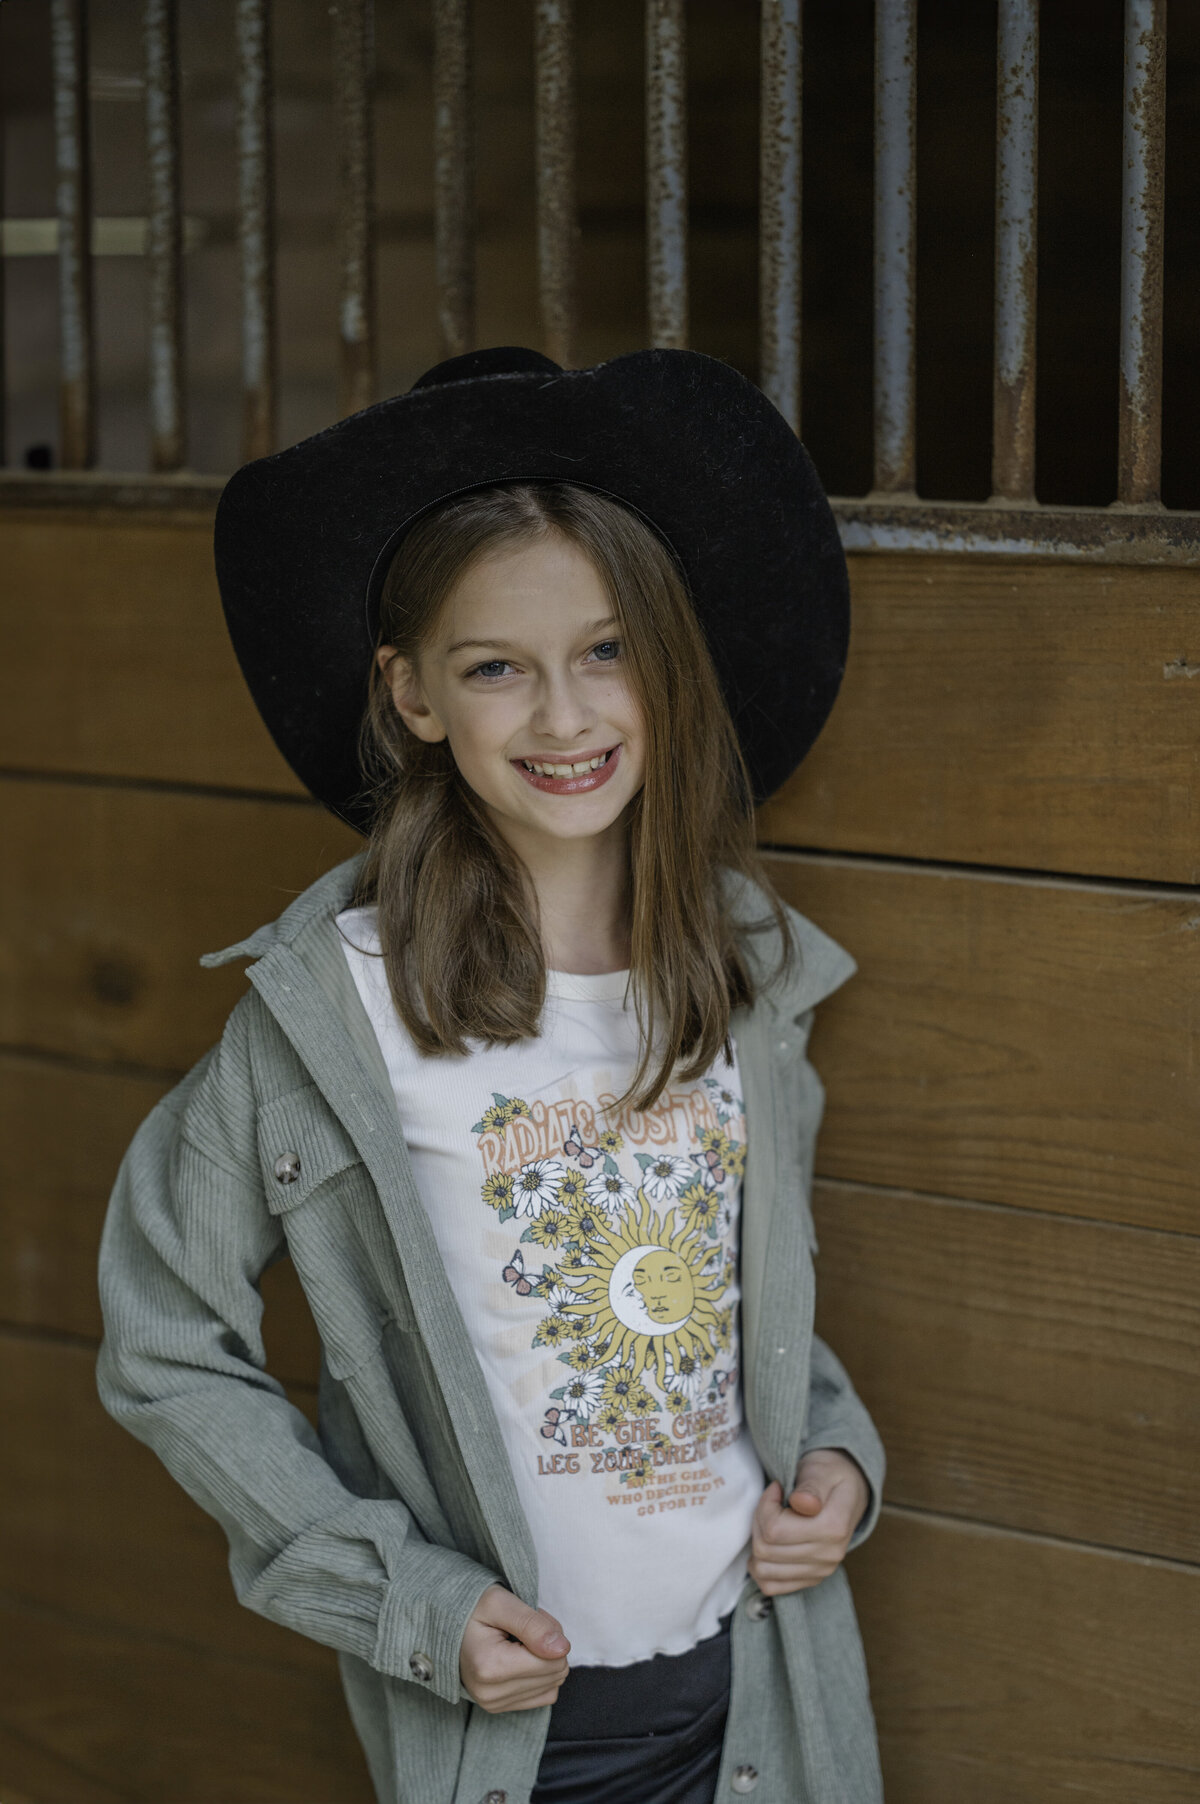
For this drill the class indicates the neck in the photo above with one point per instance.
(582, 891)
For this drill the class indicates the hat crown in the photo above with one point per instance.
(496, 360)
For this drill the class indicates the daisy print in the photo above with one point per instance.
(682, 1377)
(665, 1176)
(583, 1394)
(535, 1186)
(609, 1191)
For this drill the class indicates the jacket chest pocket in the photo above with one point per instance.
(338, 1237)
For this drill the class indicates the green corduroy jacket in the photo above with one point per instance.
(378, 1534)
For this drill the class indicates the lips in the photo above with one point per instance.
(578, 783)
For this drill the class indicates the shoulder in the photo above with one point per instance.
(818, 965)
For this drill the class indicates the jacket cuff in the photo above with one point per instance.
(424, 1615)
(866, 1450)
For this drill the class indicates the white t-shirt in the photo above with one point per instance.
(593, 1254)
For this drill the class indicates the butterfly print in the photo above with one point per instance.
(514, 1274)
(712, 1161)
(550, 1427)
(574, 1148)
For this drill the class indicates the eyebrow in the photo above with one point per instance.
(594, 626)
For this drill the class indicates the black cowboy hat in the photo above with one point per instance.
(304, 537)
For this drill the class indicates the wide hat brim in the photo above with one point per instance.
(304, 537)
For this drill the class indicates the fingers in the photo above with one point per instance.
(535, 1629)
(796, 1547)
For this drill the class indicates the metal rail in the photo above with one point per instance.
(77, 366)
(557, 217)
(666, 174)
(164, 238)
(895, 246)
(353, 58)
(453, 175)
(256, 226)
(1139, 460)
(1014, 380)
(780, 175)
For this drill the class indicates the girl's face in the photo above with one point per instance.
(526, 677)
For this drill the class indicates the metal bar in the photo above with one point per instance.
(1139, 463)
(256, 226)
(666, 173)
(779, 207)
(454, 175)
(353, 46)
(895, 244)
(1014, 377)
(77, 369)
(557, 217)
(164, 238)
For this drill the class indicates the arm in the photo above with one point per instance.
(182, 1366)
(837, 1418)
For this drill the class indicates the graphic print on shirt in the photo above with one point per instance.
(636, 1260)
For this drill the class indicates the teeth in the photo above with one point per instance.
(565, 770)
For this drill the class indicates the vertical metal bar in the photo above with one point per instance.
(77, 371)
(779, 207)
(454, 175)
(164, 237)
(666, 173)
(1140, 452)
(353, 35)
(1014, 377)
(256, 226)
(895, 244)
(557, 219)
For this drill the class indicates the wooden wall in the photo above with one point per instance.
(1002, 823)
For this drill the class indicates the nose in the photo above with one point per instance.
(562, 711)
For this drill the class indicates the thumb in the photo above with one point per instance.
(808, 1498)
(535, 1629)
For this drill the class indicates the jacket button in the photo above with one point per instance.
(287, 1168)
(759, 1608)
(495, 1797)
(421, 1667)
(745, 1778)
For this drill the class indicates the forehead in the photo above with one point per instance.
(546, 585)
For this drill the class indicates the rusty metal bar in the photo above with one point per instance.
(77, 368)
(895, 245)
(353, 57)
(256, 226)
(557, 217)
(779, 206)
(1014, 378)
(164, 237)
(666, 173)
(1140, 451)
(454, 175)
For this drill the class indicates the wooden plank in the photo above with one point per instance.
(63, 1132)
(128, 1547)
(129, 672)
(113, 894)
(1009, 1040)
(1008, 1667)
(1039, 715)
(97, 1715)
(1028, 714)
(1023, 1369)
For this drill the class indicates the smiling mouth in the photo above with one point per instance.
(560, 777)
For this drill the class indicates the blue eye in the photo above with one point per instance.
(495, 667)
(607, 650)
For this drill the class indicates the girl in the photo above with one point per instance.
(523, 1094)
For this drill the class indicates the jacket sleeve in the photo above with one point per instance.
(182, 1366)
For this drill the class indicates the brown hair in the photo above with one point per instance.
(457, 920)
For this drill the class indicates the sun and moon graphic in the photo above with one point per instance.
(636, 1271)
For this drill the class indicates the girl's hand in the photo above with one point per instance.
(512, 1657)
(799, 1546)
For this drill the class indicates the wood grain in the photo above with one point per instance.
(97, 1715)
(1023, 1369)
(1007, 1669)
(128, 671)
(998, 712)
(1011, 1040)
(112, 896)
(1006, 712)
